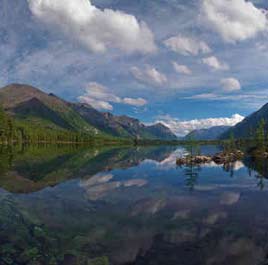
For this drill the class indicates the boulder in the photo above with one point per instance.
(181, 161)
(224, 157)
(201, 159)
(220, 158)
(193, 160)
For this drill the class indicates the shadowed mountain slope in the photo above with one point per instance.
(248, 126)
(212, 133)
(31, 106)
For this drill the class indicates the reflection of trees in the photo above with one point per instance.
(6, 158)
(229, 167)
(32, 168)
(260, 166)
(193, 148)
(191, 173)
(192, 170)
(260, 183)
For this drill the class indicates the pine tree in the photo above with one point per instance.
(260, 135)
(2, 125)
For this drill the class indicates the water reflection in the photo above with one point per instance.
(34, 168)
(260, 168)
(129, 206)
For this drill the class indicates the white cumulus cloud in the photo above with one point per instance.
(149, 75)
(230, 84)
(99, 97)
(182, 128)
(234, 20)
(214, 63)
(137, 102)
(186, 45)
(96, 104)
(181, 69)
(95, 29)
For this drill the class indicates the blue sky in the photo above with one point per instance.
(189, 64)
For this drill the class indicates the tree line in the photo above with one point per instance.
(12, 131)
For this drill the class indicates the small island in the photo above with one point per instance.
(219, 158)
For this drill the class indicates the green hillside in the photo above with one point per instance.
(28, 103)
(40, 117)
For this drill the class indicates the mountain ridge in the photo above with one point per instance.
(31, 105)
(247, 127)
(122, 125)
(212, 133)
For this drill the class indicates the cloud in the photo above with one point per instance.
(96, 179)
(215, 64)
(96, 104)
(253, 100)
(99, 97)
(205, 96)
(187, 46)
(95, 29)
(181, 69)
(213, 218)
(234, 20)
(149, 75)
(229, 198)
(138, 102)
(230, 84)
(182, 128)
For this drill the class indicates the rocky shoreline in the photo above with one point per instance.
(219, 158)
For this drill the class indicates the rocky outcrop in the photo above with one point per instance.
(227, 157)
(220, 158)
(193, 160)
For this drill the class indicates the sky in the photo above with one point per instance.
(188, 64)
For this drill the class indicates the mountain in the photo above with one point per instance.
(135, 128)
(212, 133)
(247, 127)
(103, 121)
(27, 103)
(31, 107)
(122, 126)
(161, 131)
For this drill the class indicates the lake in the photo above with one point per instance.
(130, 206)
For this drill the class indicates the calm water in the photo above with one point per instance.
(130, 206)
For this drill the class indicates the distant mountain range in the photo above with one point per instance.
(244, 129)
(31, 106)
(212, 133)
(122, 126)
(247, 127)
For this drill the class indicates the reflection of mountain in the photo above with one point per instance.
(156, 229)
(136, 216)
(36, 168)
